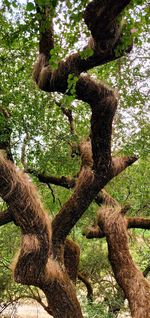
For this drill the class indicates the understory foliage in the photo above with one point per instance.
(74, 135)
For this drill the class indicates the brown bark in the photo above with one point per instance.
(45, 252)
(136, 288)
(71, 259)
(121, 163)
(104, 30)
(35, 264)
(88, 286)
(65, 182)
(96, 232)
(5, 133)
(141, 223)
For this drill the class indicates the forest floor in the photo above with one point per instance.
(25, 311)
(35, 311)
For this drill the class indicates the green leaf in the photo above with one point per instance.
(30, 6)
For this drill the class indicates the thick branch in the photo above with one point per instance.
(128, 276)
(140, 223)
(28, 213)
(104, 31)
(93, 232)
(51, 81)
(103, 106)
(65, 182)
(90, 182)
(121, 163)
(100, 17)
(35, 264)
(86, 153)
(74, 207)
(44, 16)
(96, 232)
(105, 198)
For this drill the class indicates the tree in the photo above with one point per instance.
(47, 258)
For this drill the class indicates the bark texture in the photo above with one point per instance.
(47, 259)
(136, 288)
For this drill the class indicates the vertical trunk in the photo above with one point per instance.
(61, 297)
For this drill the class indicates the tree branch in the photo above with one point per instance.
(93, 232)
(5, 133)
(103, 106)
(121, 163)
(65, 182)
(44, 17)
(104, 30)
(100, 17)
(96, 232)
(105, 198)
(28, 213)
(141, 223)
(128, 276)
(68, 114)
(35, 264)
(88, 286)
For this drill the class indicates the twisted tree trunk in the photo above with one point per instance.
(43, 260)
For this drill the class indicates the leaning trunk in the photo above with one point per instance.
(128, 276)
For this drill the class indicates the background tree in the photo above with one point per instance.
(20, 133)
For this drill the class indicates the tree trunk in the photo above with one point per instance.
(136, 288)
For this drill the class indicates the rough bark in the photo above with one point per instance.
(65, 182)
(136, 288)
(46, 257)
(35, 264)
(71, 259)
(141, 223)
